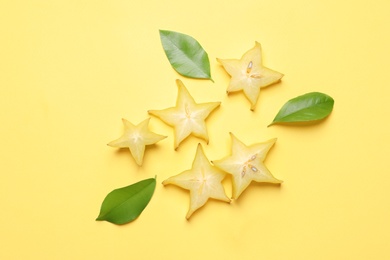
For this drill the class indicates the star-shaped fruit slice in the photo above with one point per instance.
(187, 117)
(249, 75)
(245, 164)
(136, 137)
(203, 181)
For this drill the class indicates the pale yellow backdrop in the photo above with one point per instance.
(70, 70)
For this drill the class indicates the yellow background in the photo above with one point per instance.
(70, 70)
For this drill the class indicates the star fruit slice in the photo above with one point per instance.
(136, 137)
(187, 117)
(249, 75)
(203, 181)
(246, 164)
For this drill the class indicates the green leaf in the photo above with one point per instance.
(309, 107)
(186, 55)
(125, 204)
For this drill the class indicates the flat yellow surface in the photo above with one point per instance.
(70, 70)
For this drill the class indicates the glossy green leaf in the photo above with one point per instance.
(186, 55)
(125, 204)
(309, 107)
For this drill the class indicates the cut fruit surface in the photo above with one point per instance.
(203, 181)
(249, 75)
(246, 164)
(187, 117)
(136, 137)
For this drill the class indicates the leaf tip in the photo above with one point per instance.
(161, 31)
(273, 122)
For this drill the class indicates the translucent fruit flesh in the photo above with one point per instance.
(245, 164)
(136, 137)
(187, 117)
(249, 75)
(203, 181)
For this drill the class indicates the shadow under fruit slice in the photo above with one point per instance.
(187, 117)
(245, 164)
(203, 181)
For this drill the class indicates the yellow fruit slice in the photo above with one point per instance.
(187, 117)
(249, 75)
(136, 137)
(203, 181)
(245, 164)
